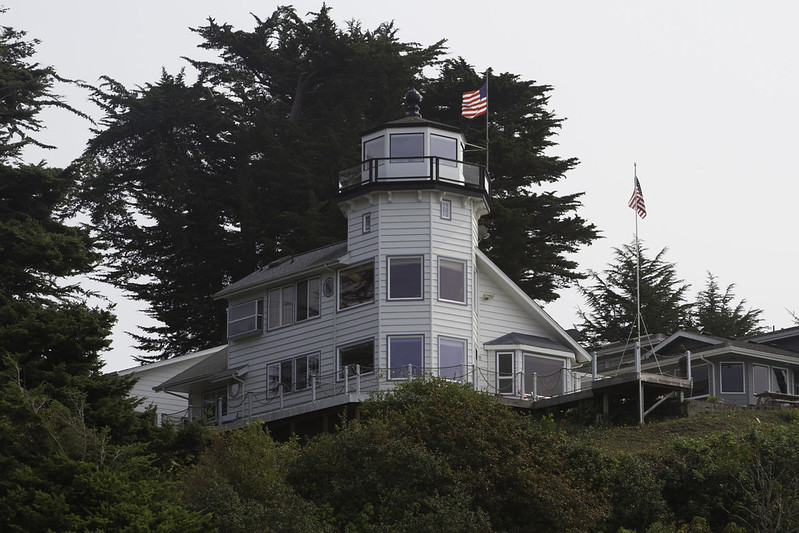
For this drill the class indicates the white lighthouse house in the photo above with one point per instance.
(407, 295)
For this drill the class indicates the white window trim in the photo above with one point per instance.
(340, 368)
(446, 213)
(421, 278)
(512, 376)
(282, 303)
(465, 280)
(391, 368)
(366, 223)
(743, 378)
(258, 315)
(464, 356)
(308, 298)
(338, 285)
(710, 387)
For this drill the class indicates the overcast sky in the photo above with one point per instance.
(702, 95)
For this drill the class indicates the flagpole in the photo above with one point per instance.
(487, 100)
(637, 261)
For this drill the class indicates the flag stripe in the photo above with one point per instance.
(637, 199)
(475, 103)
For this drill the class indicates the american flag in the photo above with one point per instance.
(475, 103)
(637, 200)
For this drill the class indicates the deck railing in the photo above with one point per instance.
(428, 168)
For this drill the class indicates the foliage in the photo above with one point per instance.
(27, 90)
(714, 313)
(240, 480)
(237, 169)
(462, 450)
(612, 297)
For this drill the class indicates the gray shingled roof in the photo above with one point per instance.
(529, 340)
(287, 266)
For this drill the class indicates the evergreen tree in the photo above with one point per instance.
(716, 314)
(238, 169)
(612, 297)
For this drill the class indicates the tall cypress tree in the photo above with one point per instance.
(612, 297)
(195, 185)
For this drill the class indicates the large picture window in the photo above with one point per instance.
(356, 285)
(405, 278)
(405, 351)
(361, 355)
(245, 318)
(732, 378)
(451, 358)
(769, 379)
(452, 280)
(548, 373)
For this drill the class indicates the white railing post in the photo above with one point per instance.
(410, 371)
(565, 380)
(281, 396)
(535, 386)
(593, 366)
(218, 411)
(313, 388)
(358, 379)
(688, 364)
(346, 379)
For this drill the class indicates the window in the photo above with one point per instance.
(407, 145)
(366, 223)
(374, 148)
(245, 318)
(446, 209)
(291, 374)
(701, 377)
(305, 369)
(779, 380)
(452, 280)
(405, 278)
(444, 147)
(769, 379)
(548, 372)
(211, 403)
(280, 307)
(356, 285)
(451, 358)
(307, 299)
(732, 378)
(760, 378)
(405, 350)
(361, 355)
(505, 372)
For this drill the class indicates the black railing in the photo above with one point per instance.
(404, 169)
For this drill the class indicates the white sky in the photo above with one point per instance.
(702, 95)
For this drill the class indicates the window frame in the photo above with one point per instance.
(309, 297)
(446, 209)
(257, 315)
(544, 388)
(709, 369)
(444, 370)
(743, 376)
(353, 346)
(464, 281)
(283, 317)
(371, 287)
(400, 372)
(402, 157)
(504, 376)
(390, 288)
(448, 160)
(366, 223)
